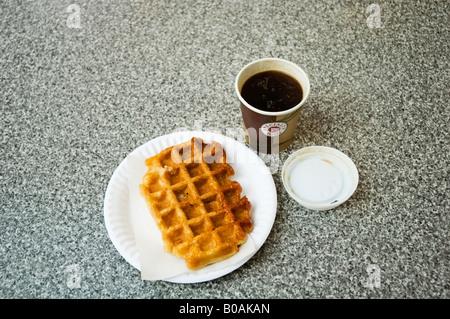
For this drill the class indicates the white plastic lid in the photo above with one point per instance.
(319, 177)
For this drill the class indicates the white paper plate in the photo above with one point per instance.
(250, 171)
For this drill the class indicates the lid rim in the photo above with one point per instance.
(343, 195)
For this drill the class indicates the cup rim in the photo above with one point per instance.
(279, 113)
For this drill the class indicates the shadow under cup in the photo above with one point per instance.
(270, 132)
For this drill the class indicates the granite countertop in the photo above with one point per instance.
(83, 83)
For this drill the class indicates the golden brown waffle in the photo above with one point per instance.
(198, 209)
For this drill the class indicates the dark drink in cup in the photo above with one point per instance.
(271, 92)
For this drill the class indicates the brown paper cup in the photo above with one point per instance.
(270, 132)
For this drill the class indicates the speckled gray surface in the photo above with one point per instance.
(76, 101)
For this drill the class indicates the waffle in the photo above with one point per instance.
(198, 209)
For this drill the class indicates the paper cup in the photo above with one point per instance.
(270, 132)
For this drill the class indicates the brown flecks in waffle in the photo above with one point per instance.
(198, 209)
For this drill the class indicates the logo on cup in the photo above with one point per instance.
(274, 129)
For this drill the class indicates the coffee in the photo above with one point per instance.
(272, 91)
